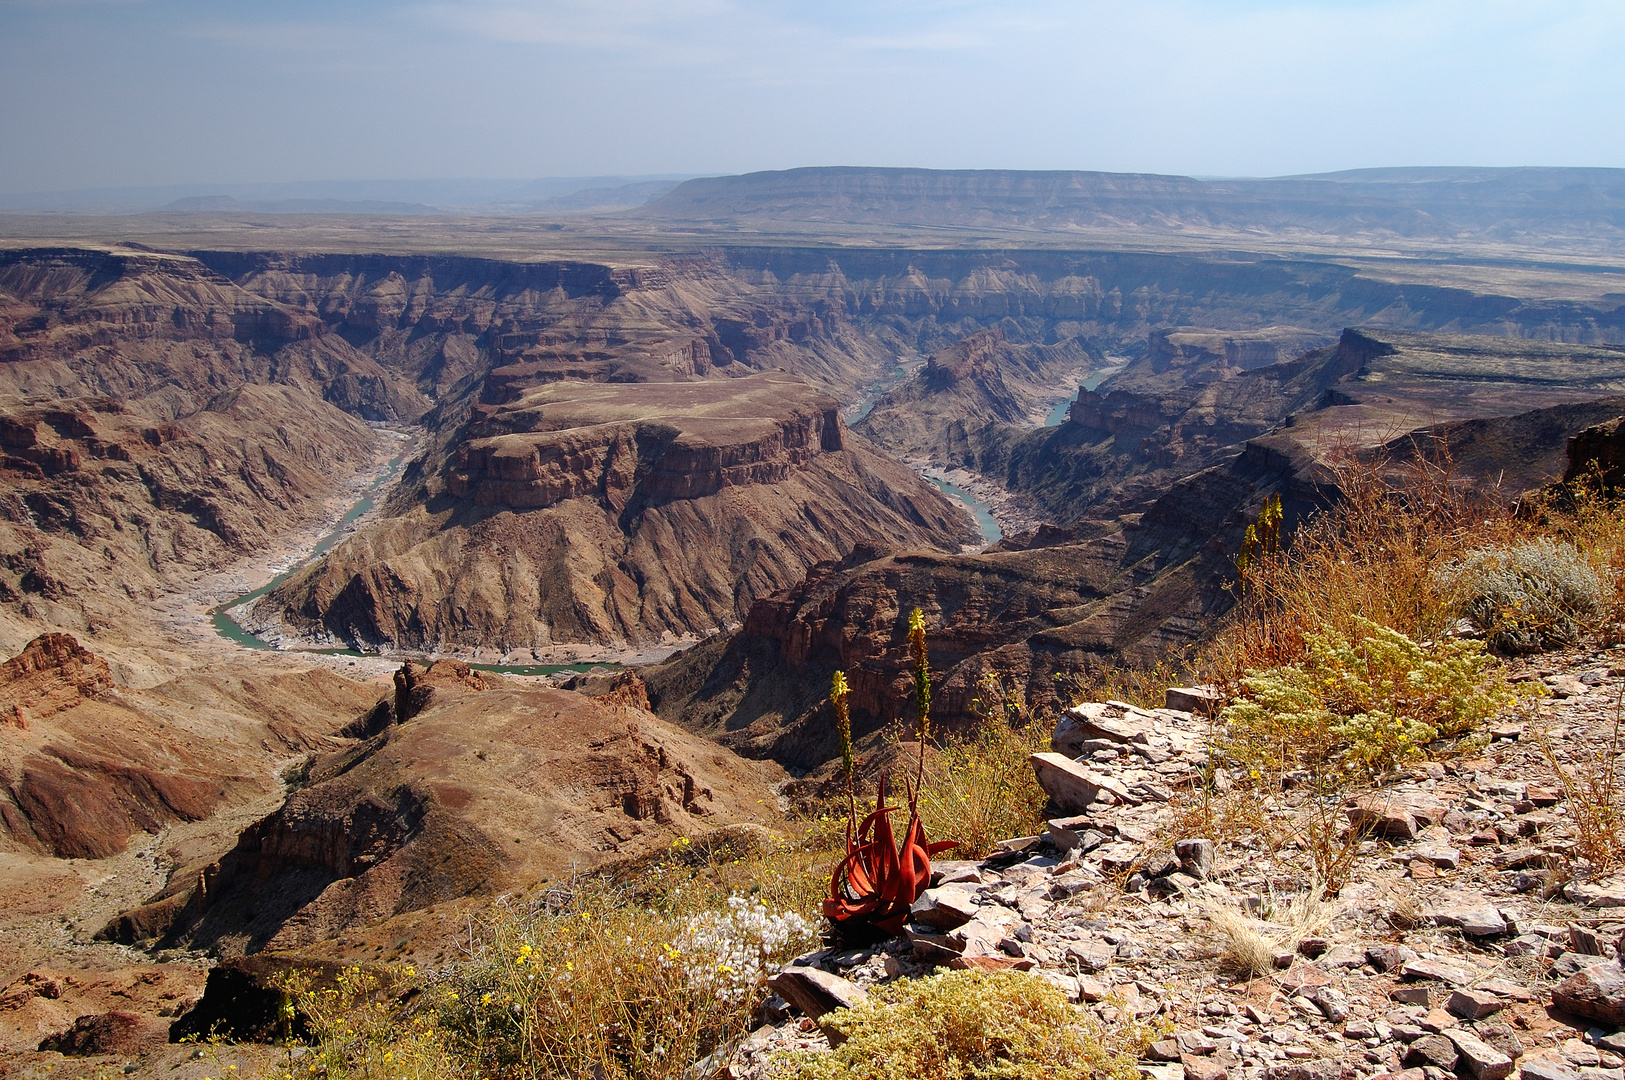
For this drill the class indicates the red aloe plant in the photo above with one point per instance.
(874, 887)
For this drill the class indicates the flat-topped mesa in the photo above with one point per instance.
(655, 441)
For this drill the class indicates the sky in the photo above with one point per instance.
(122, 93)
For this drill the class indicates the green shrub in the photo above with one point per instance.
(1355, 708)
(1003, 1025)
(1535, 595)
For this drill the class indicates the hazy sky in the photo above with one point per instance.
(100, 93)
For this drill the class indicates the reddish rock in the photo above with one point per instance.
(1596, 993)
(52, 673)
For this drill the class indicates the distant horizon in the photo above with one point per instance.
(328, 189)
(119, 94)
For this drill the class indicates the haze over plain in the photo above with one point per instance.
(148, 92)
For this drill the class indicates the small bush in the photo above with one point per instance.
(1358, 705)
(1003, 1025)
(1534, 595)
(1373, 557)
(360, 1028)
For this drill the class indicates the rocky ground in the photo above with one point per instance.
(1467, 939)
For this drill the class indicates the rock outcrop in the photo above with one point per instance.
(1145, 428)
(982, 379)
(1046, 611)
(85, 765)
(1599, 451)
(54, 672)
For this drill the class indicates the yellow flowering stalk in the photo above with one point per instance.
(843, 734)
(922, 686)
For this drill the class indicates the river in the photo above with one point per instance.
(1057, 415)
(983, 511)
(229, 628)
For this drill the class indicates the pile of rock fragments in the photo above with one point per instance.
(1466, 938)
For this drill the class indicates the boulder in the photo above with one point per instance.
(814, 991)
(1195, 857)
(1453, 974)
(1114, 721)
(1434, 1050)
(1597, 993)
(1196, 700)
(1473, 1004)
(1397, 815)
(115, 1032)
(944, 908)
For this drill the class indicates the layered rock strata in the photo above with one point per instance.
(608, 514)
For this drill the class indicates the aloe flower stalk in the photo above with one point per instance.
(843, 734)
(922, 686)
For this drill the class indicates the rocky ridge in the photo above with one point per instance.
(1045, 612)
(1465, 940)
(416, 811)
(1151, 424)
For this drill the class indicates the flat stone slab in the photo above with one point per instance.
(1071, 786)
(1474, 915)
(815, 991)
(1476, 1058)
(1453, 974)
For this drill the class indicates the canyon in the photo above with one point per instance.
(637, 438)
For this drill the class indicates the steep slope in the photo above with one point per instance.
(102, 509)
(165, 335)
(1047, 612)
(86, 765)
(480, 787)
(615, 514)
(978, 380)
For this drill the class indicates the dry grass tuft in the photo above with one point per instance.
(1595, 795)
(1248, 946)
(982, 789)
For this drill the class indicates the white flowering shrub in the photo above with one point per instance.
(1535, 595)
(730, 952)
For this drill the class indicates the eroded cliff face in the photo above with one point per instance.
(651, 443)
(1145, 428)
(1047, 612)
(983, 379)
(616, 514)
(103, 509)
(164, 335)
